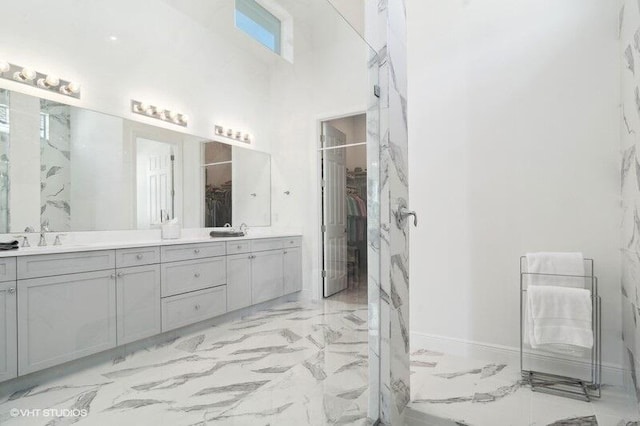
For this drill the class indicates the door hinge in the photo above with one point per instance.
(324, 183)
(324, 274)
(376, 90)
(324, 228)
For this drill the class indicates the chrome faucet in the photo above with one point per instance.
(243, 228)
(43, 240)
(25, 240)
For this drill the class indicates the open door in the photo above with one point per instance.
(334, 217)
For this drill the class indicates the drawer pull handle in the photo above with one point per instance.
(196, 251)
(285, 252)
(197, 307)
(139, 256)
(239, 247)
(197, 275)
(12, 290)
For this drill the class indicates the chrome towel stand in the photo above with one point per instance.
(570, 387)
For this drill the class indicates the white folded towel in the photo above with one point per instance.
(559, 319)
(556, 263)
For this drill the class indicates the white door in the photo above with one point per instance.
(334, 175)
(154, 192)
(138, 303)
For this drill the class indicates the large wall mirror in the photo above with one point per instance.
(72, 169)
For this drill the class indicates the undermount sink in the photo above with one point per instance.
(226, 234)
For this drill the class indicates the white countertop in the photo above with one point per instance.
(74, 247)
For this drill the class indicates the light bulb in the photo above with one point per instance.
(73, 87)
(174, 116)
(70, 89)
(219, 130)
(184, 118)
(27, 74)
(238, 135)
(52, 80)
(48, 82)
(4, 67)
(229, 133)
(142, 107)
(247, 137)
(161, 113)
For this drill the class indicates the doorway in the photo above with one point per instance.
(344, 206)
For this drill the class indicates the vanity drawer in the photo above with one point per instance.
(266, 244)
(292, 242)
(8, 269)
(47, 265)
(238, 247)
(192, 251)
(191, 275)
(137, 256)
(179, 311)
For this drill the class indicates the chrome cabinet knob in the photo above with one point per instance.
(197, 275)
(139, 257)
(12, 290)
(239, 247)
(112, 276)
(196, 251)
(197, 307)
(120, 275)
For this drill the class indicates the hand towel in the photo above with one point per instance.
(559, 319)
(556, 263)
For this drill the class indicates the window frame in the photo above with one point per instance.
(262, 17)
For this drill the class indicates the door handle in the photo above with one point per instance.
(403, 214)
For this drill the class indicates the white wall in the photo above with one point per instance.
(216, 74)
(513, 130)
(161, 56)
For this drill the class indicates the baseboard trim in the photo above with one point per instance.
(611, 374)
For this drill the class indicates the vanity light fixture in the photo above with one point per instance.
(159, 113)
(232, 134)
(31, 77)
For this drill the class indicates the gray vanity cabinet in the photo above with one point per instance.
(8, 331)
(138, 303)
(292, 270)
(267, 276)
(65, 317)
(238, 281)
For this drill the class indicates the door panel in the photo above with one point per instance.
(8, 331)
(138, 303)
(267, 279)
(238, 281)
(292, 270)
(64, 318)
(334, 173)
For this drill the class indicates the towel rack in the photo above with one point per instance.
(572, 387)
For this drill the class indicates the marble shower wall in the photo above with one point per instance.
(630, 174)
(55, 166)
(4, 161)
(389, 280)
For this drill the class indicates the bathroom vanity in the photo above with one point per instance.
(59, 304)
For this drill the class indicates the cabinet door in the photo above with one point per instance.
(65, 317)
(267, 279)
(8, 332)
(138, 303)
(292, 270)
(238, 281)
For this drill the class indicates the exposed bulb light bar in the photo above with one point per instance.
(159, 113)
(31, 77)
(232, 134)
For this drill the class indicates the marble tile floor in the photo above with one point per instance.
(300, 363)
(473, 392)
